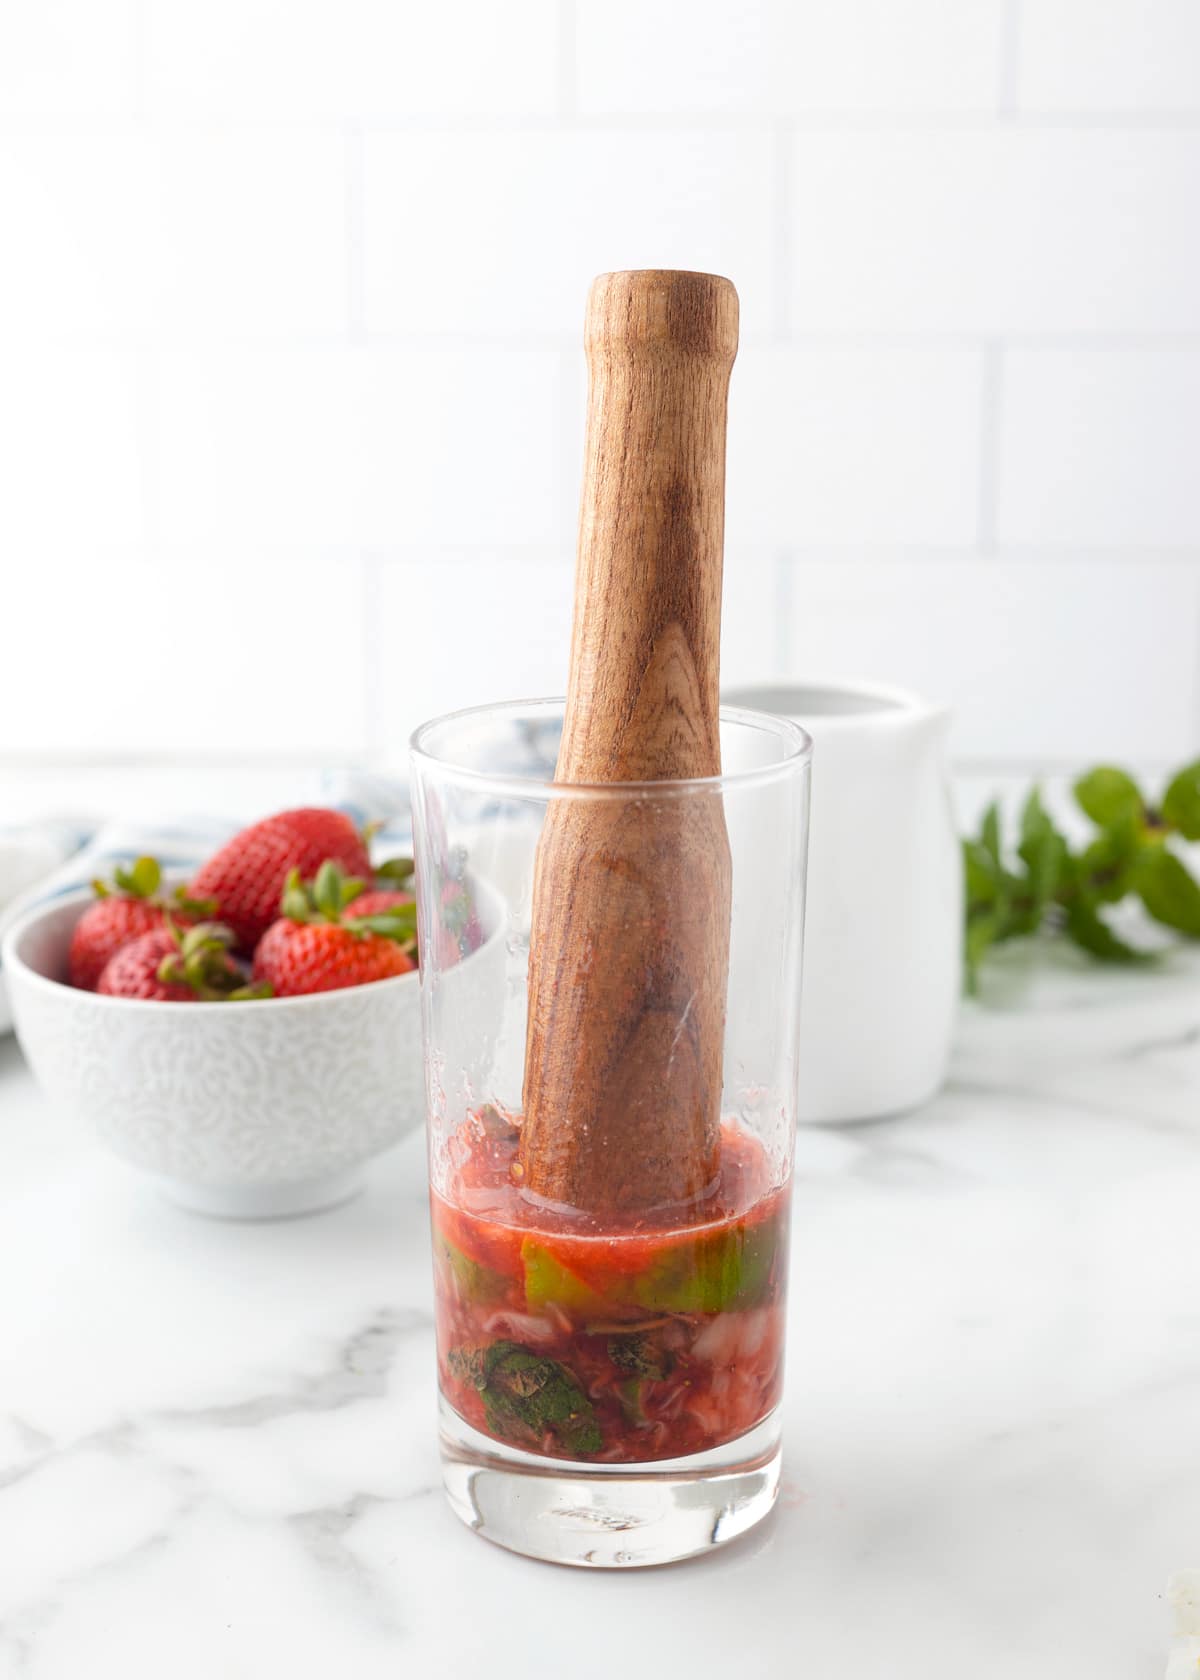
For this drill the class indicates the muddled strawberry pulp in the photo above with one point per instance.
(625, 1345)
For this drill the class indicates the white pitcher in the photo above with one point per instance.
(883, 940)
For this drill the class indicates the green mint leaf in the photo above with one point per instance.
(981, 936)
(630, 1392)
(1181, 802)
(989, 833)
(1107, 795)
(1022, 916)
(640, 1355)
(1168, 891)
(980, 872)
(1043, 851)
(527, 1396)
(1104, 870)
(1083, 926)
(467, 1364)
(398, 869)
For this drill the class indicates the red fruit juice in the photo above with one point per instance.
(616, 1345)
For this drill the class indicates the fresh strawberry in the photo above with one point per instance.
(295, 958)
(247, 876)
(459, 931)
(378, 903)
(316, 946)
(126, 907)
(170, 965)
(392, 888)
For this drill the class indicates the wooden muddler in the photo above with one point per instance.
(629, 946)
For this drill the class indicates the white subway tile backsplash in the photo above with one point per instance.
(777, 57)
(323, 59)
(720, 60)
(1098, 448)
(1110, 55)
(876, 55)
(222, 653)
(751, 603)
(290, 309)
(854, 446)
(838, 446)
(202, 232)
(71, 474)
(252, 231)
(996, 230)
(257, 445)
(464, 629)
(497, 626)
(381, 445)
(1064, 661)
(503, 232)
(68, 58)
(460, 447)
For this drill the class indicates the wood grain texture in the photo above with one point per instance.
(630, 928)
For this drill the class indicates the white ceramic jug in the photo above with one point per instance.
(883, 940)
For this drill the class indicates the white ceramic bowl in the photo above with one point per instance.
(247, 1110)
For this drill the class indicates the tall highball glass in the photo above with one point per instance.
(609, 1389)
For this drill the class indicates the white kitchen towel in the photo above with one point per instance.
(43, 862)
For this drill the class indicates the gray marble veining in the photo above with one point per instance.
(217, 1447)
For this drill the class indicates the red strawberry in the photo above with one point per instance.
(129, 906)
(295, 958)
(170, 966)
(316, 947)
(247, 876)
(379, 902)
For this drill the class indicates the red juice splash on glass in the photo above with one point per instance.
(627, 1345)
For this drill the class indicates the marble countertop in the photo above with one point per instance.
(217, 1452)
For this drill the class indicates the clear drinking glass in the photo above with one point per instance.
(609, 1393)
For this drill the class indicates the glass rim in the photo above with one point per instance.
(797, 755)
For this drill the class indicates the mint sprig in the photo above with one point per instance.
(1043, 886)
(527, 1396)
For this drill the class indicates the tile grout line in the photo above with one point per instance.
(1007, 93)
(1097, 341)
(141, 101)
(88, 761)
(567, 62)
(878, 120)
(57, 760)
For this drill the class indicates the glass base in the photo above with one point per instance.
(609, 1516)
